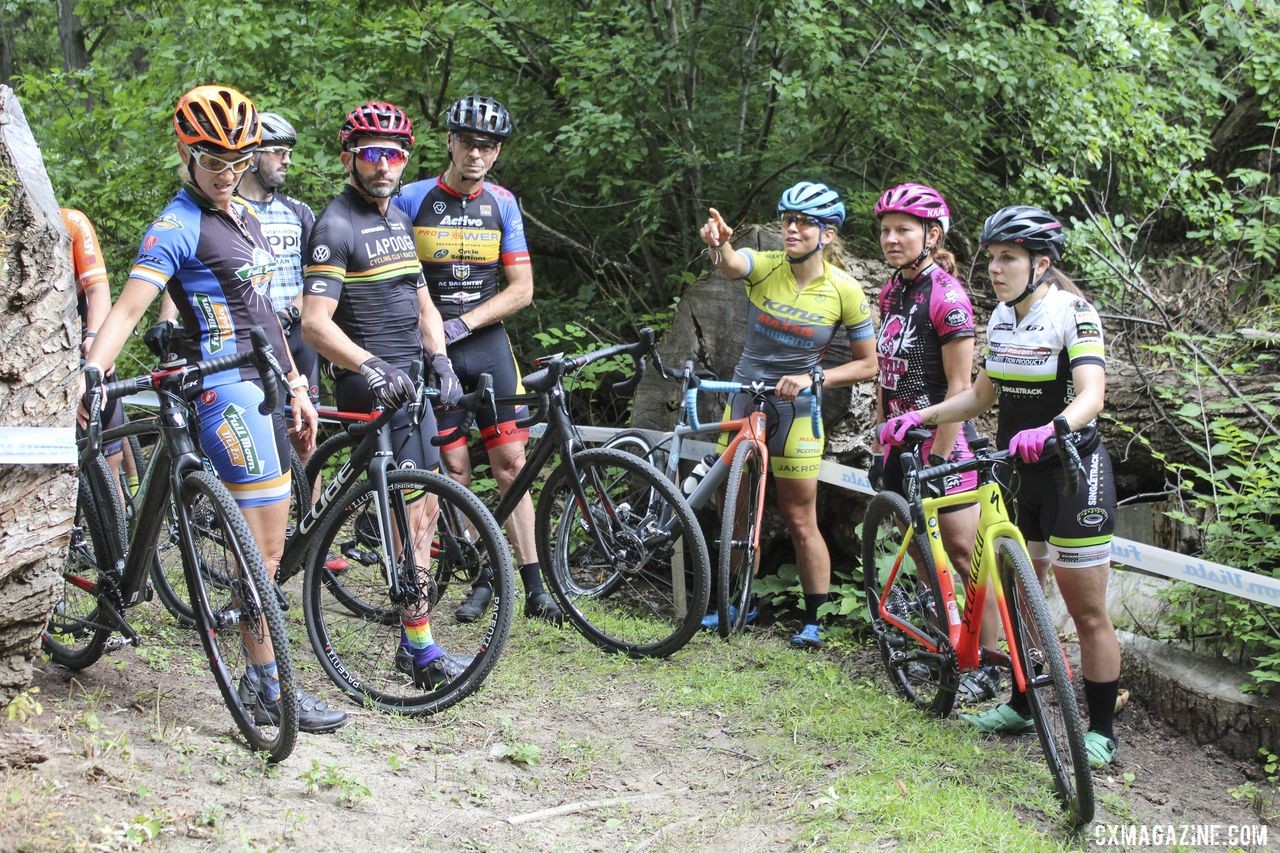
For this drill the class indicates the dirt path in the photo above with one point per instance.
(137, 750)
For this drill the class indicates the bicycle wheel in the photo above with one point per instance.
(637, 443)
(354, 625)
(623, 553)
(329, 454)
(1049, 690)
(232, 600)
(926, 680)
(75, 636)
(738, 530)
(168, 575)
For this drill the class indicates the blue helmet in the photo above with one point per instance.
(815, 200)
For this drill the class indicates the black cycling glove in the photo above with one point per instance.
(391, 386)
(450, 387)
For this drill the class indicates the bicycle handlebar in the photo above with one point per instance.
(756, 389)
(552, 369)
(1063, 442)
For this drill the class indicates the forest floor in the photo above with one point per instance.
(741, 746)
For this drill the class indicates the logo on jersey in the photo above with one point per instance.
(217, 319)
(957, 317)
(167, 222)
(1092, 517)
(320, 253)
(258, 272)
(950, 296)
(285, 238)
(440, 253)
(438, 208)
(149, 242)
(462, 272)
(209, 397)
(462, 221)
(236, 438)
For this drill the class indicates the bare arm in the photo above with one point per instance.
(329, 340)
(431, 327)
(1090, 381)
(516, 295)
(967, 404)
(122, 319)
(97, 299)
(957, 362)
(168, 310)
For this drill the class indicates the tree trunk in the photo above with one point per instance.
(71, 37)
(38, 343)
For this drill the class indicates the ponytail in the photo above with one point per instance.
(1062, 281)
(940, 254)
(833, 252)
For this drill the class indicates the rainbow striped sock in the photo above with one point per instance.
(416, 637)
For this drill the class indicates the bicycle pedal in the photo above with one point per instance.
(116, 642)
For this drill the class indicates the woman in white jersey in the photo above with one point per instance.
(1045, 358)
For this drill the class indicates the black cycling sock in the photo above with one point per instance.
(812, 601)
(1100, 699)
(531, 577)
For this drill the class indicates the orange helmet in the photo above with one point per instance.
(217, 115)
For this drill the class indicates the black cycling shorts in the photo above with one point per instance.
(487, 350)
(1072, 532)
(411, 442)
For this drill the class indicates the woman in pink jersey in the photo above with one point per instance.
(925, 349)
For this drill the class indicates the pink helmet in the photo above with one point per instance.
(917, 200)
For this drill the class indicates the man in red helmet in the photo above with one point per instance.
(367, 310)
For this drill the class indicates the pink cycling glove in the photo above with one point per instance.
(895, 430)
(1029, 444)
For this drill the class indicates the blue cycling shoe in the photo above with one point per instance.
(712, 620)
(808, 638)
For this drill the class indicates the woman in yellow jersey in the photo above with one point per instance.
(798, 298)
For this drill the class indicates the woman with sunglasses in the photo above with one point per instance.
(1044, 358)
(926, 355)
(797, 298)
(208, 252)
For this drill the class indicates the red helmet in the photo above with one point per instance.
(217, 115)
(376, 118)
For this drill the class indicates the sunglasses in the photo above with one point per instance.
(800, 220)
(469, 142)
(214, 164)
(276, 149)
(374, 153)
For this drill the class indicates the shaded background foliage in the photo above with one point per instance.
(1151, 126)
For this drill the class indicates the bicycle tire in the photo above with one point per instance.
(927, 681)
(75, 636)
(168, 575)
(353, 625)
(1051, 696)
(231, 597)
(637, 443)
(326, 450)
(629, 599)
(738, 528)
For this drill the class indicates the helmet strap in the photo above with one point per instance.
(809, 254)
(1033, 284)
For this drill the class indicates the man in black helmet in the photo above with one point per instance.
(286, 223)
(468, 229)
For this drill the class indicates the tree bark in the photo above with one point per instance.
(71, 37)
(38, 343)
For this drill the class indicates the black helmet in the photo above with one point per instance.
(276, 130)
(479, 115)
(1023, 225)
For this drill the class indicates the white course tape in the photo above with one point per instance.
(37, 446)
(1126, 552)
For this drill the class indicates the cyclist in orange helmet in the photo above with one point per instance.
(207, 250)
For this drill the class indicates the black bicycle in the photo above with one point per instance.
(626, 582)
(232, 599)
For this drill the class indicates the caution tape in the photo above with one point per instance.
(37, 446)
(1126, 552)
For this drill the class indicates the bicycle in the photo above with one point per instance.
(353, 615)
(926, 640)
(231, 596)
(620, 549)
(741, 464)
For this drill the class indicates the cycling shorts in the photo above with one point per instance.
(953, 484)
(306, 359)
(249, 450)
(1075, 531)
(486, 350)
(795, 453)
(411, 442)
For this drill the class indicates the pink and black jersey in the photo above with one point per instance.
(916, 318)
(463, 240)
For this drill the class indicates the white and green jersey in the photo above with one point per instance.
(1030, 362)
